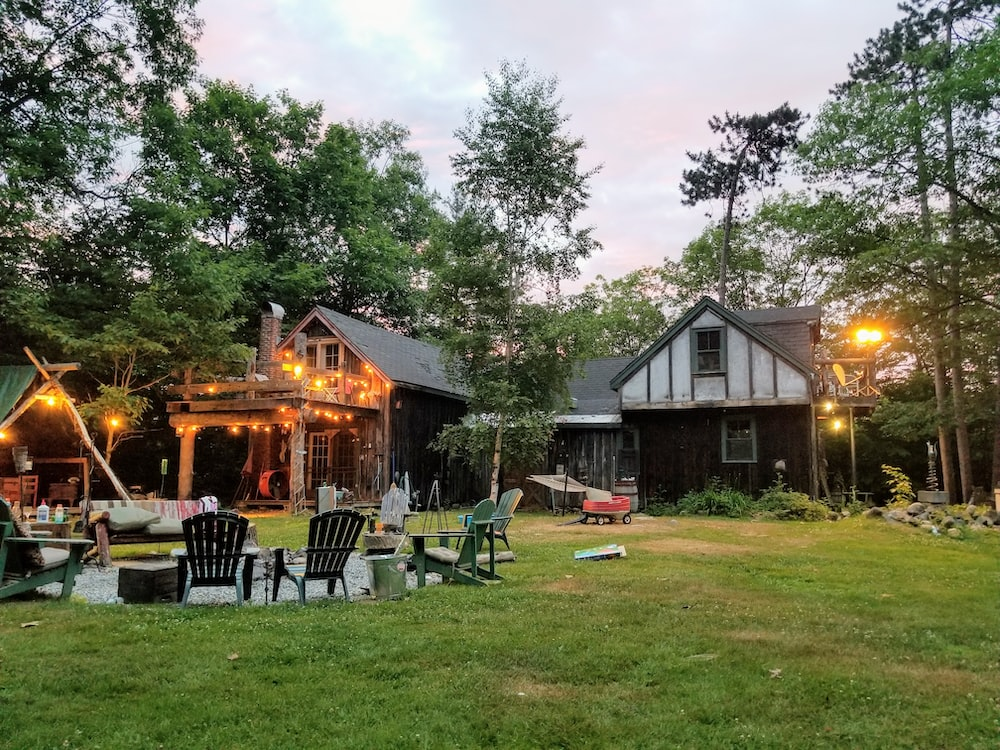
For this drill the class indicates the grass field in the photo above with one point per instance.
(709, 634)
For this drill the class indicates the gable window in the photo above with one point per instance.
(739, 440)
(323, 356)
(708, 350)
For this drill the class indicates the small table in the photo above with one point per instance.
(52, 530)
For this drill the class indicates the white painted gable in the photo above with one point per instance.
(752, 374)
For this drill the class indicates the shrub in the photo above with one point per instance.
(715, 500)
(784, 503)
(900, 486)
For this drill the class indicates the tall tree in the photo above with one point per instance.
(779, 255)
(913, 131)
(520, 190)
(74, 74)
(750, 156)
(316, 215)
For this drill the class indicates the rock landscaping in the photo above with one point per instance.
(952, 520)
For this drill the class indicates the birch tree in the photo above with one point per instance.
(520, 189)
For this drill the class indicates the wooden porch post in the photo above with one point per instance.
(185, 469)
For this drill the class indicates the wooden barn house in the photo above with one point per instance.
(334, 402)
(726, 394)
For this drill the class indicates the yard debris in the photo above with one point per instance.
(775, 674)
(607, 552)
(32, 624)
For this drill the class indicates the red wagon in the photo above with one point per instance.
(617, 508)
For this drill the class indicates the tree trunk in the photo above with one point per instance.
(995, 477)
(955, 349)
(495, 473)
(727, 227)
(944, 435)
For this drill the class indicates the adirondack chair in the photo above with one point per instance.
(505, 511)
(214, 554)
(465, 563)
(333, 535)
(28, 562)
(395, 507)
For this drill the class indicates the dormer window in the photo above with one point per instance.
(708, 348)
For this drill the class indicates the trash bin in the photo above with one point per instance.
(328, 498)
(387, 575)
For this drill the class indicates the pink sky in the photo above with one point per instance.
(639, 81)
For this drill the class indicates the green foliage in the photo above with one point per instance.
(715, 500)
(785, 504)
(526, 439)
(620, 317)
(900, 487)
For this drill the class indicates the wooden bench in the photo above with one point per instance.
(103, 530)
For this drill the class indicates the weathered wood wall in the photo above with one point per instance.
(416, 419)
(682, 450)
(588, 455)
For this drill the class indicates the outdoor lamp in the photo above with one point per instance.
(868, 335)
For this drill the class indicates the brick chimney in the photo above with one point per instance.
(271, 315)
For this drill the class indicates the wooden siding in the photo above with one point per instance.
(589, 456)
(416, 418)
(682, 450)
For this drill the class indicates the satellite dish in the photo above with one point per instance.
(838, 370)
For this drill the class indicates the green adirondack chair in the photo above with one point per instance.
(505, 511)
(28, 562)
(463, 563)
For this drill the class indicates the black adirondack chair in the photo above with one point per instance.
(333, 536)
(214, 553)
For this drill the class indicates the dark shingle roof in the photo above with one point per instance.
(405, 361)
(805, 313)
(592, 389)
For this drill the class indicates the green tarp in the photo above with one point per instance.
(14, 381)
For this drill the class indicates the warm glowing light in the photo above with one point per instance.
(3, 435)
(868, 335)
(114, 421)
(297, 371)
(837, 424)
(829, 405)
(319, 382)
(235, 430)
(211, 389)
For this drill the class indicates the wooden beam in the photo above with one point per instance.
(26, 404)
(232, 419)
(233, 405)
(123, 493)
(252, 386)
(46, 368)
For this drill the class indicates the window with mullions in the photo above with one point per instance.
(323, 356)
(708, 350)
(739, 440)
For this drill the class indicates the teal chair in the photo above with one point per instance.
(462, 563)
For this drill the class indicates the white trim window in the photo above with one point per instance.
(739, 440)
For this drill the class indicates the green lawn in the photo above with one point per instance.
(710, 634)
